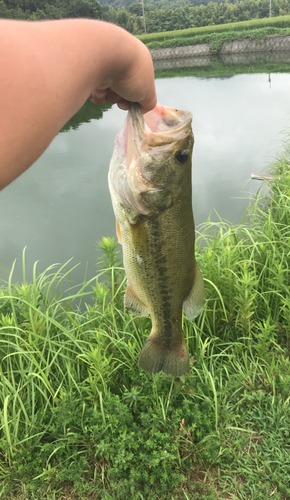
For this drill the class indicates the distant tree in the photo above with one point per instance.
(54, 9)
(110, 15)
(136, 8)
(83, 8)
(183, 14)
(38, 15)
(4, 11)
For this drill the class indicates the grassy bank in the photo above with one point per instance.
(217, 39)
(275, 22)
(77, 414)
(216, 35)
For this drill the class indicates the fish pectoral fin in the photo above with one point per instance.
(118, 232)
(133, 304)
(131, 215)
(139, 239)
(195, 300)
(156, 200)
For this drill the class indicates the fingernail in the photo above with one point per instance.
(98, 96)
(123, 106)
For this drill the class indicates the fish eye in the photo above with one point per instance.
(182, 156)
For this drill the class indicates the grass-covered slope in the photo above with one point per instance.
(275, 22)
(216, 39)
(76, 413)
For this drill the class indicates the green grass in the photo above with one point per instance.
(78, 416)
(276, 22)
(217, 39)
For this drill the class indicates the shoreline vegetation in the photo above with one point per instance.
(160, 15)
(78, 418)
(278, 22)
(161, 19)
(215, 36)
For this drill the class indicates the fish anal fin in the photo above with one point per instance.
(118, 232)
(155, 357)
(195, 300)
(133, 304)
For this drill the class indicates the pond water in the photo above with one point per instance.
(61, 206)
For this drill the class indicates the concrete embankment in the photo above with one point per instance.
(234, 59)
(279, 43)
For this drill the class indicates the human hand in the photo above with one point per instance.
(133, 81)
(51, 68)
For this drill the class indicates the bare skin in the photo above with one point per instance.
(50, 68)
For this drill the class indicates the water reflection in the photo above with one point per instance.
(61, 206)
(225, 64)
(86, 114)
(247, 59)
(183, 62)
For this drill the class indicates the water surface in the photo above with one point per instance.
(61, 206)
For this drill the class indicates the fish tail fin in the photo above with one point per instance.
(155, 357)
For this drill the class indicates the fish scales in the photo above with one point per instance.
(152, 200)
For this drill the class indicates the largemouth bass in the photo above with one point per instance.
(150, 185)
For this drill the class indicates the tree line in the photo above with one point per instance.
(157, 20)
(50, 9)
(212, 13)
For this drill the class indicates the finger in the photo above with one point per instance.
(123, 104)
(99, 96)
(144, 111)
(149, 102)
(140, 86)
(108, 95)
(112, 97)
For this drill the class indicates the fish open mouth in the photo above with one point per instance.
(158, 127)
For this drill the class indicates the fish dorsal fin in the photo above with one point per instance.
(133, 304)
(195, 300)
(118, 232)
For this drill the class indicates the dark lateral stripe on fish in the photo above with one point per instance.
(161, 261)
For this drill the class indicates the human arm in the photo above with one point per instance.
(50, 68)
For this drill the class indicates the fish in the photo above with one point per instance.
(151, 192)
